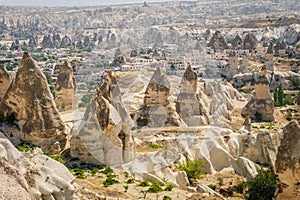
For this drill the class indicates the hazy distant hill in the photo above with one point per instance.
(74, 2)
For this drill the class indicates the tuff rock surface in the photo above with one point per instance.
(217, 41)
(104, 134)
(261, 105)
(30, 101)
(5, 81)
(288, 162)
(220, 148)
(32, 176)
(157, 110)
(65, 87)
(188, 105)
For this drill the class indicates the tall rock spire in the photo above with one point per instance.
(65, 87)
(29, 99)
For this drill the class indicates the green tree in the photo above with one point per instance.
(275, 95)
(280, 95)
(172, 67)
(262, 186)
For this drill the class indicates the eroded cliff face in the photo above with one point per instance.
(29, 99)
(104, 135)
(288, 162)
(5, 81)
(65, 87)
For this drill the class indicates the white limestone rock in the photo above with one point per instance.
(39, 175)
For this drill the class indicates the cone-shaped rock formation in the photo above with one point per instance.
(29, 99)
(104, 135)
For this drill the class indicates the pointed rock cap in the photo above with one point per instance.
(232, 54)
(27, 61)
(237, 38)
(189, 79)
(270, 48)
(159, 78)
(262, 78)
(237, 41)
(66, 67)
(189, 74)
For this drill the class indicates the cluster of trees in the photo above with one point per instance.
(282, 99)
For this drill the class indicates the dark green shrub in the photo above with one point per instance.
(241, 187)
(262, 186)
(167, 198)
(109, 181)
(212, 186)
(107, 170)
(94, 171)
(169, 187)
(79, 173)
(144, 183)
(153, 145)
(58, 157)
(155, 188)
(125, 188)
(131, 180)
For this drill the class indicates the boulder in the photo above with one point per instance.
(56, 40)
(34, 177)
(291, 36)
(245, 64)
(47, 41)
(280, 48)
(13, 184)
(30, 101)
(222, 95)
(232, 68)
